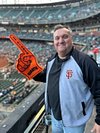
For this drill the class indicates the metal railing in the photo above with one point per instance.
(36, 121)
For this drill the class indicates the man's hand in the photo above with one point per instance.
(96, 128)
(26, 63)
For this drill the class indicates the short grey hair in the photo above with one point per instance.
(59, 26)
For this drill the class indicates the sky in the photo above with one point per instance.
(27, 1)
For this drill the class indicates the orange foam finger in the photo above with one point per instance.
(30, 71)
(15, 40)
(27, 63)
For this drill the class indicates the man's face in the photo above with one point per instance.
(62, 41)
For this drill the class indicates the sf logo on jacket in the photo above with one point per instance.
(69, 74)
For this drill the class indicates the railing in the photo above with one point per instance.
(34, 125)
(19, 120)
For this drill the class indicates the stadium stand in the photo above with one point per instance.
(33, 24)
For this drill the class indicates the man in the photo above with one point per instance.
(72, 82)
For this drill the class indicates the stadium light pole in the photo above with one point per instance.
(14, 1)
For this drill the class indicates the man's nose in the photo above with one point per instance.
(61, 40)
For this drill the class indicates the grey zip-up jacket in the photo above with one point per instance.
(79, 84)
